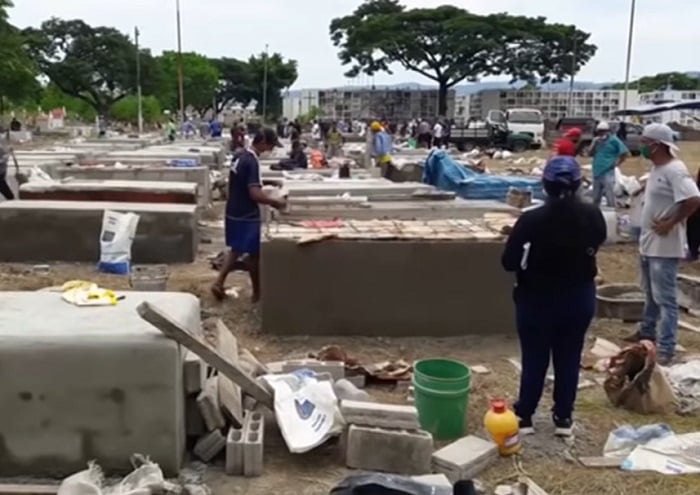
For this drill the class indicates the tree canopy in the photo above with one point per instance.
(659, 82)
(17, 71)
(449, 45)
(94, 64)
(200, 80)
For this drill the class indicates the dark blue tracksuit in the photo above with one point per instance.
(554, 296)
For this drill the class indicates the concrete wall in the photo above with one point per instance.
(198, 175)
(390, 288)
(42, 231)
(82, 384)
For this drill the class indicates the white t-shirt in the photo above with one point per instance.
(316, 131)
(437, 130)
(667, 186)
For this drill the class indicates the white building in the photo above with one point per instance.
(461, 108)
(554, 104)
(682, 117)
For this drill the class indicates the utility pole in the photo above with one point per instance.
(180, 84)
(630, 38)
(138, 81)
(264, 96)
(574, 63)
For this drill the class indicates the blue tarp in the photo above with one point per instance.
(444, 173)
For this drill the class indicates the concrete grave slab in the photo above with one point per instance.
(389, 451)
(380, 415)
(465, 458)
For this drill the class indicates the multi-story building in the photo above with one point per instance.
(554, 104)
(689, 118)
(350, 103)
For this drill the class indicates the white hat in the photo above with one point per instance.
(661, 133)
(602, 126)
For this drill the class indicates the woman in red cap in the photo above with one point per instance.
(568, 144)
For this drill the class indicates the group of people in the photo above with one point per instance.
(552, 251)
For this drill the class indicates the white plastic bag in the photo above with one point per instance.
(306, 410)
(116, 238)
(146, 479)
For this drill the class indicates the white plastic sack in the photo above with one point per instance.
(306, 410)
(674, 454)
(116, 238)
(144, 480)
(623, 440)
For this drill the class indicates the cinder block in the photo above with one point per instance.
(208, 402)
(210, 445)
(465, 458)
(358, 380)
(194, 423)
(234, 452)
(249, 403)
(390, 451)
(194, 373)
(253, 438)
(380, 415)
(335, 368)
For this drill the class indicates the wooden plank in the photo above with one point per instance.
(687, 326)
(10, 489)
(601, 462)
(229, 392)
(532, 487)
(212, 357)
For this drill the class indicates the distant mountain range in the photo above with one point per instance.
(472, 88)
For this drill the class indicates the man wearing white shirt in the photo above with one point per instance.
(438, 133)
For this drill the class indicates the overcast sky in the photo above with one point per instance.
(666, 33)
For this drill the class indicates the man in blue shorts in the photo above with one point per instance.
(242, 223)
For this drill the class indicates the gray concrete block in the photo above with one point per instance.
(335, 368)
(465, 458)
(380, 415)
(194, 373)
(345, 390)
(208, 402)
(249, 403)
(253, 438)
(209, 446)
(234, 452)
(390, 451)
(194, 422)
(358, 380)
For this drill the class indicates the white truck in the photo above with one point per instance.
(521, 121)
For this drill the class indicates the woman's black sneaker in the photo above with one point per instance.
(526, 427)
(563, 427)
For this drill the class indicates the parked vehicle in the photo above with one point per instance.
(485, 135)
(588, 125)
(521, 121)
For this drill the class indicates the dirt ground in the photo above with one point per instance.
(550, 462)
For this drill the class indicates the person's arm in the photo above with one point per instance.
(513, 252)
(599, 232)
(252, 178)
(687, 198)
(622, 152)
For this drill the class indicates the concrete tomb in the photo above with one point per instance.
(112, 190)
(42, 231)
(90, 383)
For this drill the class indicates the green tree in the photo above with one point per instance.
(200, 80)
(449, 45)
(244, 81)
(127, 110)
(94, 64)
(52, 97)
(17, 72)
(670, 80)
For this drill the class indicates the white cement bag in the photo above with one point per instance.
(146, 479)
(116, 238)
(306, 410)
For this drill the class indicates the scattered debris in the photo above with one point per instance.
(465, 458)
(601, 462)
(480, 370)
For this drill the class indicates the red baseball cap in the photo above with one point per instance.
(574, 132)
(564, 147)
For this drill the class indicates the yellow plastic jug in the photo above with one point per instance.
(502, 426)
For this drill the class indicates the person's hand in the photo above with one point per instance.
(662, 226)
(280, 204)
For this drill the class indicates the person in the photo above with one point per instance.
(243, 224)
(15, 125)
(622, 131)
(608, 153)
(568, 144)
(670, 197)
(335, 142)
(171, 130)
(382, 147)
(552, 250)
(237, 138)
(424, 135)
(298, 155)
(215, 128)
(438, 130)
(5, 190)
(693, 230)
(315, 134)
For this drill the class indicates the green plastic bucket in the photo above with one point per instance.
(441, 394)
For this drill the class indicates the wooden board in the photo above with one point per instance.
(229, 391)
(687, 326)
(601, 462)
(211, 356)
(9, 489)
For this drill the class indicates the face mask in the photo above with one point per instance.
(645, 151)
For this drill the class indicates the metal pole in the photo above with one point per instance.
(574, 61)
(180, 84)
(629, 52)
(264, 96)
(138, 81)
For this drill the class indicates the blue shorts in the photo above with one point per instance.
(243, 236)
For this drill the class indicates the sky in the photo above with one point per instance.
(666, 34)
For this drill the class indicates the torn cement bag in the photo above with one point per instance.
(636, 383)
(146, 479)
(116, 238)
(386, 484)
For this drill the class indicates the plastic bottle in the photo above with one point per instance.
(502, 426)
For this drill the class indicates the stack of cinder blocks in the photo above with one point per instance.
(386, 438)
(244, 446)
